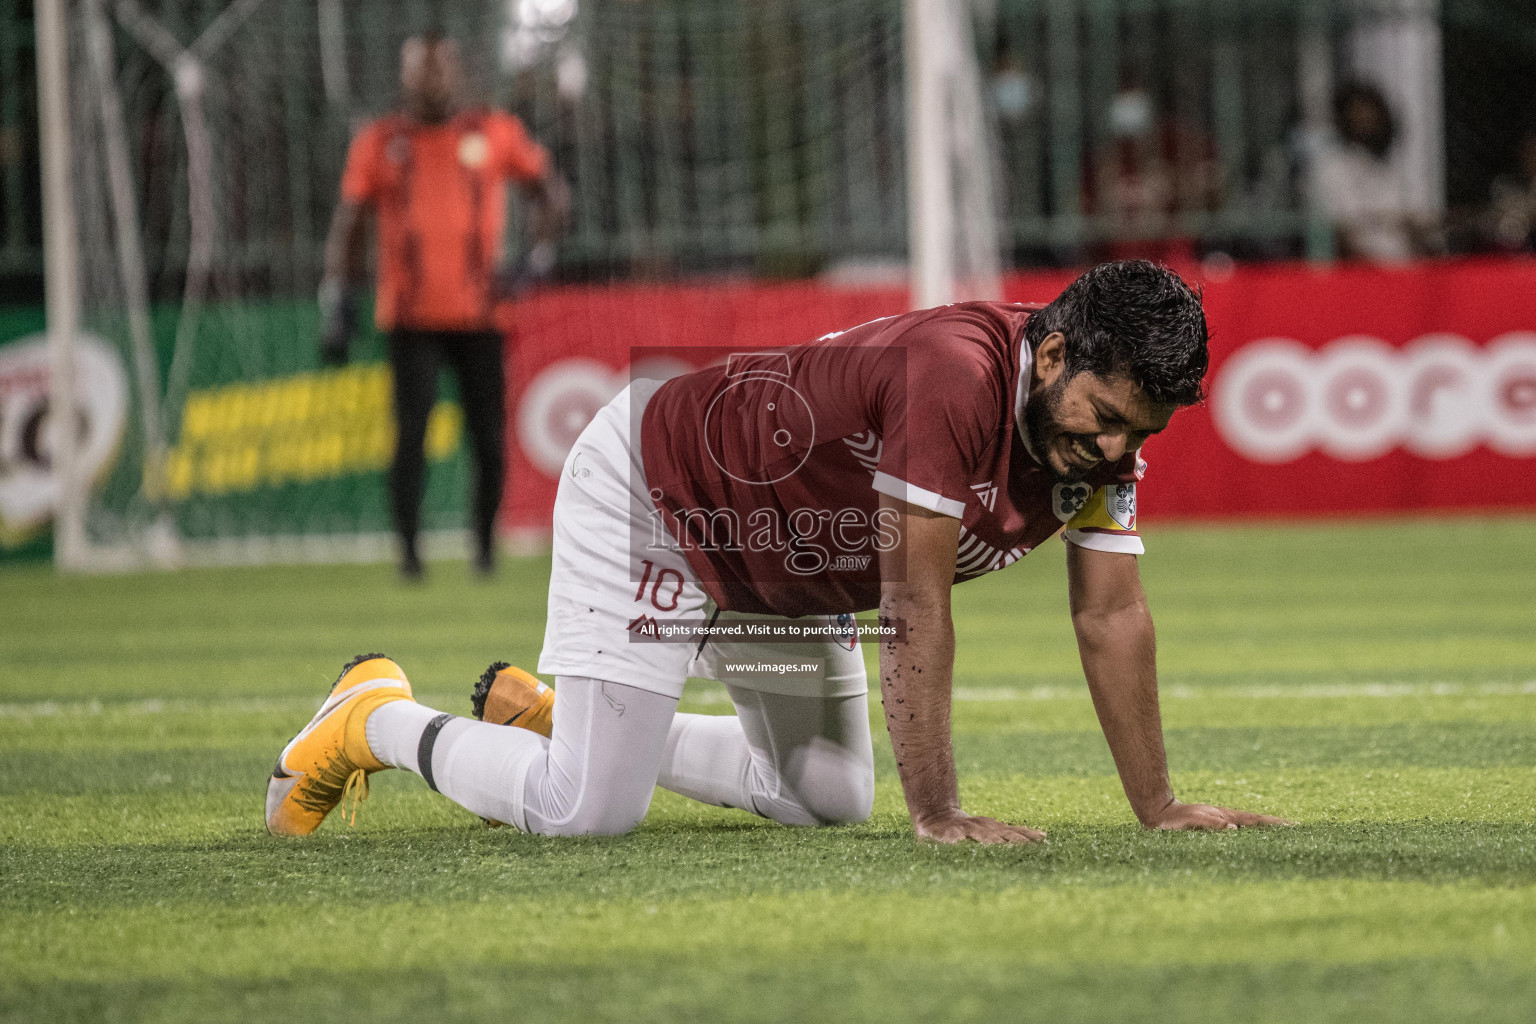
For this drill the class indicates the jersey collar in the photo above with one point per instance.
(1021, 395)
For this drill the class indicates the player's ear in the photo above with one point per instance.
(1051, 358)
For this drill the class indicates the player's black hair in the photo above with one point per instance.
(1131, 319)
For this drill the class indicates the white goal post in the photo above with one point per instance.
(61, 242)
(188, 173)
(954, 248)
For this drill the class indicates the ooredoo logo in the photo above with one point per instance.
(1359, 398)
(559, 403)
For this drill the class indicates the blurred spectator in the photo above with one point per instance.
(1014, 92)
(434, 175)
(1359, 187)
(1152, 168)
(1512, 214)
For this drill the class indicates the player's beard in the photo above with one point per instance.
(1042, 431)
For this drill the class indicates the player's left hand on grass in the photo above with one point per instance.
(1182, 817)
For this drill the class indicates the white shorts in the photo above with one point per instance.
(610, 568)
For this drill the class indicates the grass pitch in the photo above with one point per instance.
(1376, 683)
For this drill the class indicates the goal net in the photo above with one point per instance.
(705, 141)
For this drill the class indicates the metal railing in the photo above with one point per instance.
(765, 137)
(20, 222)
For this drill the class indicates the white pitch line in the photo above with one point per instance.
(1308, 691)
(173, 706)
(964, 694)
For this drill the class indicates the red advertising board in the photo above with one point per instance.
(1332, 391)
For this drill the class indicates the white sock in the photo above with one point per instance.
(394, 732)
(478, 766)
(484, 767)
(708, 760)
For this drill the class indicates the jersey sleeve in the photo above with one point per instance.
(519, 156)
(1106, 521)
(362, 177)
(939, 417)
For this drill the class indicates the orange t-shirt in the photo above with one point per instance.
(438, 192)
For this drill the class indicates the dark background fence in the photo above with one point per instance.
(766, 137)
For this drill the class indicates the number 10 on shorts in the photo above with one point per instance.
(665, 589)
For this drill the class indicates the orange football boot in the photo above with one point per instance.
(509, 696)
(330, 757)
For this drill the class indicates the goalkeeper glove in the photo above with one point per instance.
(338, 319)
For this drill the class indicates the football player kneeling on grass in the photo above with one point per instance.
(704, 522)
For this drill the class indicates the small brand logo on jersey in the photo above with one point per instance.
(644, 625)
(1067, 500)
(986, 494)
(474, 150)
(1120, 501)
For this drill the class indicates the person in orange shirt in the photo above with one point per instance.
(433, 175)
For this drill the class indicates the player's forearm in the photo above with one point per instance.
(915, 684)
(550, 209)
(1118, 650)
(346, 245)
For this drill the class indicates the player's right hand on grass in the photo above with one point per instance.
(338, 319)
(1182, 817)
(957, 827)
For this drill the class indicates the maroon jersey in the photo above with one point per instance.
(767, 471)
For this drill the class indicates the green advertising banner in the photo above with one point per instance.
(259, 444)
(23, 535)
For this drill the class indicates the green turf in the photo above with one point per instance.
(1376, 683)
